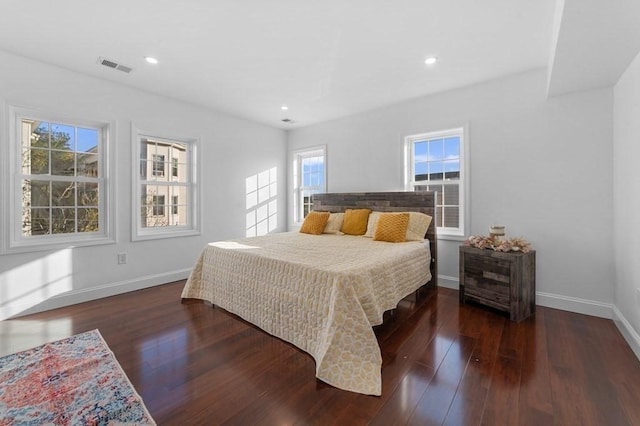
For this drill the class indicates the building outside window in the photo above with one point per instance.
(436, 163)
(309, 168)
(166, 202)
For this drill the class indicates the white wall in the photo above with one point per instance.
(626, 199)
(542, 167)
(231, 150)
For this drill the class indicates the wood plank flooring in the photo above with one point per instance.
(443, 364)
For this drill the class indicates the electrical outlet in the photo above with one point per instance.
(122, 258)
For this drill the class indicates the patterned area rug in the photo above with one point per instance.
(72, 381)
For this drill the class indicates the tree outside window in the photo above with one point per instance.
(60, 179)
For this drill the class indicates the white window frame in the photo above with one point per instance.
(463, 181)
(296, 162)
(15, 241)
(192, 227)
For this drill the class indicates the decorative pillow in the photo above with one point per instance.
(418, 225)
(392, 227)
(334, 224)
(314, 223)
(371, 224)
(355, 221)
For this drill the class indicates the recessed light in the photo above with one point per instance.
(431, 60)
(151, 60)
(284, 107)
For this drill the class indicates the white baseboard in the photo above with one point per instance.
(627, 331)
(448, 282)
(86, 294)
(575, 304)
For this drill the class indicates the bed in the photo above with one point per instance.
(322, 293)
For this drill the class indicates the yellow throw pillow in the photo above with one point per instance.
(314, 223)
(392, 227)
(418, 225)
(355, 221)
(334, 224)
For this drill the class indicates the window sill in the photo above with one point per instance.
(31, 247)
(450, 237)
(157, 235)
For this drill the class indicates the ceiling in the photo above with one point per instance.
(324, 60)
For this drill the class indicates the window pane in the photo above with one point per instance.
(87, 140)
(36, 222)
(63, 137)
(421, 171)
(60, 138)
(35, 193)
(452, 169)
(35, 161)
(436, 171)
(436, 150)
(40, 136)
(88, 194)
(87, 165)
(62, 163)
(144, 169)
(451, 217)
(63, 220)
(63, 194)
(420, 151)
(452, 148)
(88, 220)
(145, 154)
(451, 195)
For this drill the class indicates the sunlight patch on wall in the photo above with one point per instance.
(262, 203)
(27, 285)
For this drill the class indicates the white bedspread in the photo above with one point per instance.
(322, 293)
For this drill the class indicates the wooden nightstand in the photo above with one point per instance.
(505, 281)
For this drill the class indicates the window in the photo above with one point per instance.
(59, 184)
(174, 167)
(158, 165)
(174, 204)
(309, 177)
(435, 162)
(165, 203)
(158, 205)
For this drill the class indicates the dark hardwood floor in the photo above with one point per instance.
(442, 364)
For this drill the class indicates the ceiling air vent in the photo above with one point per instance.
(113, 64)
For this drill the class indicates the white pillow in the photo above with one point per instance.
(418, 225)
(334, 224)
(371, 224)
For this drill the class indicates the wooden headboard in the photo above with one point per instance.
(418, 201)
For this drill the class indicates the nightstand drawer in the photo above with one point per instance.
(488, 269)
